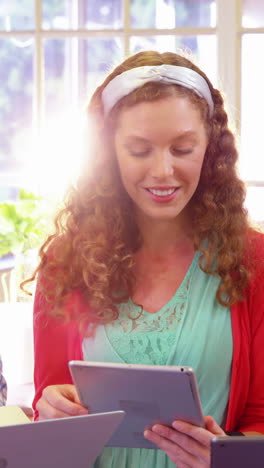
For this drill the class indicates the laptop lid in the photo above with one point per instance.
(236, 451)
(56, 443)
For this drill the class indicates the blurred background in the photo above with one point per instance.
(53, 53)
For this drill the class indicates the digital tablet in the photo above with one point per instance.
(73, 442)
(147, 394)
(236, 451)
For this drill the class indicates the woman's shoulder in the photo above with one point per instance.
(254, 255)
(252, 306)
(254, 249)
(255, 236)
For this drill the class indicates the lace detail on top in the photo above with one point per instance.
(143, 338)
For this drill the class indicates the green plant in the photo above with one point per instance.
(22, 224)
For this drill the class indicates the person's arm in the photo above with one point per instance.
(252, 421)
(55, 344)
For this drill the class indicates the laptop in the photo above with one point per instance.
(236, 451)
(146, 393)
(73, 442)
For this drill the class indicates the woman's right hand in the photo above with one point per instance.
(59, 401)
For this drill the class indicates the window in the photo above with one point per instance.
(53, 53)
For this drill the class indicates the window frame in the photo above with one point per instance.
(228, 32)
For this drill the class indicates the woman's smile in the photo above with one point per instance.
(162, 194)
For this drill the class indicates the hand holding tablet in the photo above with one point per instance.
(147, 394)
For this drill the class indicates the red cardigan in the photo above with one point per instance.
(55, 344)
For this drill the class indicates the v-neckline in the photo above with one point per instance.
(176, 294)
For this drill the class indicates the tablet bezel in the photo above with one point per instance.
(142, 392)
(74, 441)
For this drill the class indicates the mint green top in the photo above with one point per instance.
(193, 330)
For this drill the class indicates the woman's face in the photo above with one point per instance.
(160, 148)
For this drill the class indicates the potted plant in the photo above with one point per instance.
(23, 226)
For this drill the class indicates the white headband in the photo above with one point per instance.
(134, 78)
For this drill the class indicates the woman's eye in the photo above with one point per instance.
(182, 150)
(140, 153)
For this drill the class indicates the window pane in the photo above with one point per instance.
(163, 14)
(253, 14)
(73, 69)
(107, 14)
(16, 102)
(252, 160)
(254, 203)
(56, 149)
(202, 49)
(73, 14)
(17, 15)
(99, 57)
(59, 14)
(58, 73)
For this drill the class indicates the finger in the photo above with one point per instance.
(70, 392)
(212, 426)
(200, 434)
(187, 443)
(75, 396)
(63, 398)
(177, 455)
(46, 411)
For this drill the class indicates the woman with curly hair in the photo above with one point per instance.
(153, 260)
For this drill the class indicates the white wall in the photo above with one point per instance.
(16, 342)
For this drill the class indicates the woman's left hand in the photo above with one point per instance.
(187, 446)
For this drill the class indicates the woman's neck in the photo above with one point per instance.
(164, 237)
(161, 263)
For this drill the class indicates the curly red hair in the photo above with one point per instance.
(96, 236)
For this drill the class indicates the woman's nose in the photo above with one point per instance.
(162, 165)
